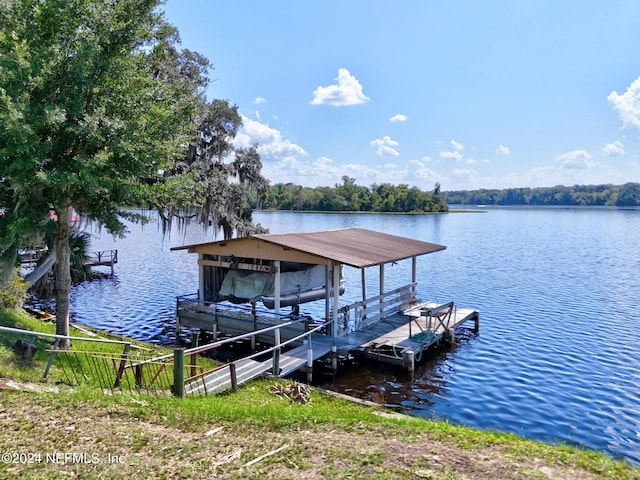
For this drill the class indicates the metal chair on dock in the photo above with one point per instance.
(438, 318)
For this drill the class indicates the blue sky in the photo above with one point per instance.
(471, 94)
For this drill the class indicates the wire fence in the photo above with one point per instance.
(104, 363)
(126, 372)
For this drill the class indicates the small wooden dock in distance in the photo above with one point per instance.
(107, 258)
(32, 259)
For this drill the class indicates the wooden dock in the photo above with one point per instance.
(389, 323)
(104, 258)
(107, 258)
(399, 340)
(231, 375)
(425, 325)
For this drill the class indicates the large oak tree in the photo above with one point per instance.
(95, 95)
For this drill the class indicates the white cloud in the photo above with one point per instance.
(324, 172)
(458, 147)
(502, 150)
(259, 100)
(576, 160)
(614, 149)
(628, 104)
(398, 118)
(384, 146)
(454, 154)
(347, 91)
(451, 155)
(269, 140)
(424, 175)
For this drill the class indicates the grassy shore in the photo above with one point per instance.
(60, 432)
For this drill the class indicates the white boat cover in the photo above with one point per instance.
(254, 285)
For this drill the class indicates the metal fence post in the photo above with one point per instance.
(52, 355)
(178, 372)
(123, 363)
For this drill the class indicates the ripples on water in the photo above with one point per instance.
(557, 355)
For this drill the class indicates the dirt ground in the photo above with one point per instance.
(39, 440)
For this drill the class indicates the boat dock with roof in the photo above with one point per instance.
(252, 288)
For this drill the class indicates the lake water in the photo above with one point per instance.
(557, 357)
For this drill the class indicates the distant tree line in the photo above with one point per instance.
(351, 197)
(627, 195)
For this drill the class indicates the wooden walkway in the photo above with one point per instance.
(224, 378)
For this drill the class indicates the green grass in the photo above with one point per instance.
(166, 437)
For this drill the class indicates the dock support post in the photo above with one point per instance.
(234, 378)
(334, 359)
(408, 359)
(178, 372)
(254, 316)
(309, 363)
(335, 284)
(476, 323)
(275, 367)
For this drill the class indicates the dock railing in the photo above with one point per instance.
(359, 315)
(192, 312)
(183, 364)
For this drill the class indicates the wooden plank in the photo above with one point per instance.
(238, 266)
(294, 359)
(220, 380)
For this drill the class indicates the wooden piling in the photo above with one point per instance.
(309, 364)
(334, 359)
(409, 360)
(234, 377)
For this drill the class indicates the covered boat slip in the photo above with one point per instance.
(238, 278)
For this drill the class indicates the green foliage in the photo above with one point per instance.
(350, 197)
(94, 97)
(14, 292)
(627, 195)
(214, 181)
(79, 244)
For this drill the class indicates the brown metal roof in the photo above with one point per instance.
(357, 247)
